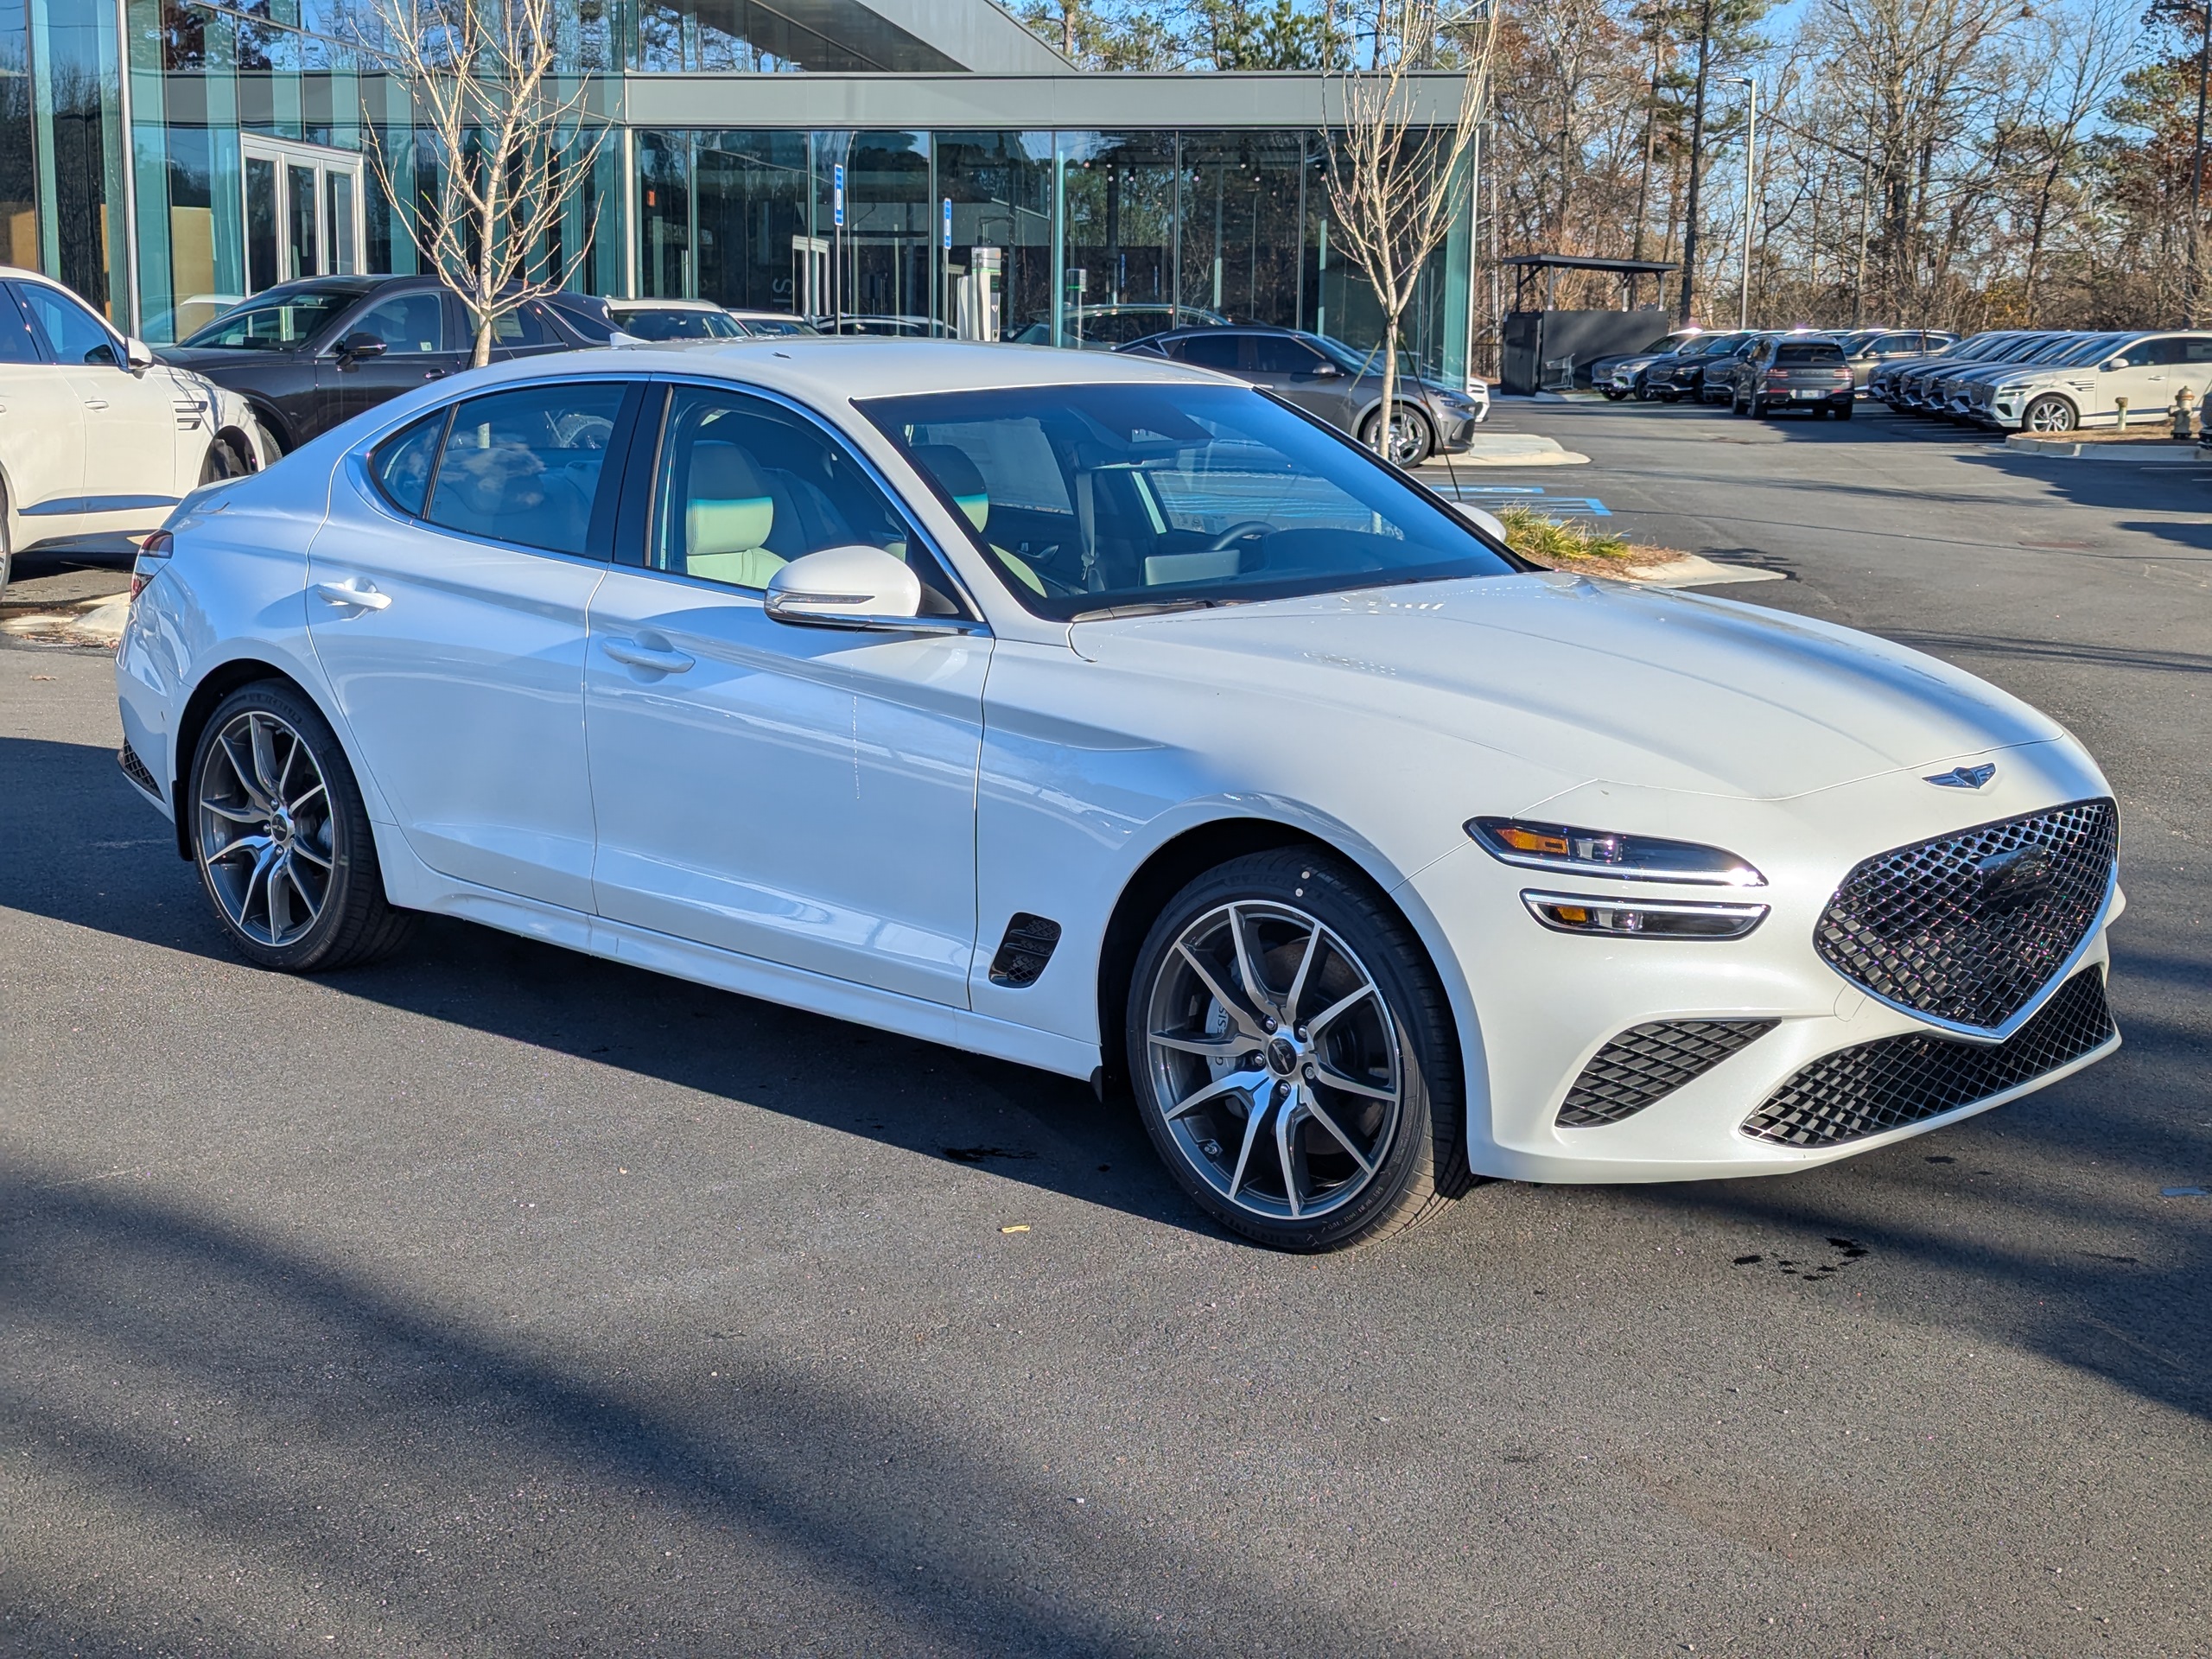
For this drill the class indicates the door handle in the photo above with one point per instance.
(645, 656)
(95, 402)
(436, 374)
(363, 597)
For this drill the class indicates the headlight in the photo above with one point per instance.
(1603, 851)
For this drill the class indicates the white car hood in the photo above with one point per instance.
(1601, 681)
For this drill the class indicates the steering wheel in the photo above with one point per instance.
(1237, 532)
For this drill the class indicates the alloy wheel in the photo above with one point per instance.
(1274, 1059)
(265, 828)
(2049, 415)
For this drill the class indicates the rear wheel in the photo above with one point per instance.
(2050, 413)
(1293, 1058)
(222, 462)
(1410, 441)
(281, 838)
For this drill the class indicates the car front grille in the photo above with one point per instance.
(1856, 1092)
(1968, 928)
(1645, 1063)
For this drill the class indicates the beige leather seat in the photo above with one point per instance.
(958, 477)
(728, 516)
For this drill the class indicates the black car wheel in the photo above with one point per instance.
(1411, 442)
(1614, 394)
(222, 462)
(7, 542)
(1294, 1058)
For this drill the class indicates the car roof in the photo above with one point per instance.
(663, 304)
(836, 368)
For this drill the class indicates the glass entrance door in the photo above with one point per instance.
(303, 211)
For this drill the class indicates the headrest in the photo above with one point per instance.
(956, 476)
(730, 509)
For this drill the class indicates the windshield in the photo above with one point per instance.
(276, 324)
(1089, 498)
(1355, 361)
(779, 325)
(1809, 351)
(651, 322)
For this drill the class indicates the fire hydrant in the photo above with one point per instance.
(2184, 415)
(2119, 413)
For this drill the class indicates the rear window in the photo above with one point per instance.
(1793, 353)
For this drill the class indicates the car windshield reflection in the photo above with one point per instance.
(276, 324)
(1102, 497)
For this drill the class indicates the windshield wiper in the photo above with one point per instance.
(1157, 607)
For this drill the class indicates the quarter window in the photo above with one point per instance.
(74, 334)
(1274, 354)
(744, 487)
(526, 466)
(403, 463)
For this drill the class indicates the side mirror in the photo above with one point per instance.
(846, 588)
(2115, 364)
(137, 355)
(1325, 372)
(1483, 521)
(363, 344)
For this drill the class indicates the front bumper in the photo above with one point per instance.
(1545, 1004)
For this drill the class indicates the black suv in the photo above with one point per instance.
(309, 355)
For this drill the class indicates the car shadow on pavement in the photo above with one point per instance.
(357, 1464)
(107, 860)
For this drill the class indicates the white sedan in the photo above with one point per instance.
(97, 441)
(1117, 719)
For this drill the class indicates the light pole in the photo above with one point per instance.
(1751, 172)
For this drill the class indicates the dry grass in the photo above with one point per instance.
(1565, 545)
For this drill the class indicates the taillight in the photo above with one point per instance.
(1778, 375)
(153, 554)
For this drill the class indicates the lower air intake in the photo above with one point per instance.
(1856, 1092)
(1647, 1062)
(134, 770)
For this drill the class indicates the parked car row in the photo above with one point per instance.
(2052, 381)
(1702, 364)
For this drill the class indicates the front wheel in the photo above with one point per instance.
(2050, 413)
(1410, 443)
(1614, 394)
(281, 838)
(1293, 1058)
(222, 462)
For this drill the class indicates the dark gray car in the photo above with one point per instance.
(1326, 378)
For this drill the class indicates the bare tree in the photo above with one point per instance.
(515, 143)
(1396, 178)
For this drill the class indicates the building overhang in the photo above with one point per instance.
(1109, 101)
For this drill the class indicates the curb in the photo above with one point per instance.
(2152, 453)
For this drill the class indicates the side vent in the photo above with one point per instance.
(1025, 949)
(134, 770)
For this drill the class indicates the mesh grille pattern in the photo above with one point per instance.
(1856, 1092)
(1968, 928)
(1646, 1062)
(134, 770)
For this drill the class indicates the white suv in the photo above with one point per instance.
(2146, 370)
(97, 441)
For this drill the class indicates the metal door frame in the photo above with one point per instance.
(285, 154)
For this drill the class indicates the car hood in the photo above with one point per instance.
(1604, 681)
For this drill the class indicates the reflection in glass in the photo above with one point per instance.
(1118, 274)
(1000, 268)
(1242, 208)
(664, 270)
(753, 205)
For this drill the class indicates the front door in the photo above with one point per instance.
(447, 602)
(806, 795)
(423, 340)
(1298, 373)
(303, 208)
(130, 417)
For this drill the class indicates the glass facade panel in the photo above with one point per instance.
(756, 207)
(999, 274)
(18, 160)
(1242, 222)
(1117, 277)
(826, 36)
(664, 267)
(887, 266)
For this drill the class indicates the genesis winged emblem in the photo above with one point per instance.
(1965, 777)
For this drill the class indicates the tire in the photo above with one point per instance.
(222, 462)
(2050, 413)
(1736, 403)
(251, 821)
(1844, 412)
(1194, 1029)
(1412, 441)
(1613, 394)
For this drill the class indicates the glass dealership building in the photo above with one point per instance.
(987, 187)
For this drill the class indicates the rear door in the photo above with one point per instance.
(447, 598)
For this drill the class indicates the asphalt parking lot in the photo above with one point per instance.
(495, 1300)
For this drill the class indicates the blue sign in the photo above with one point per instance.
(837, 193)
(948, 224)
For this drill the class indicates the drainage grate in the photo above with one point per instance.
(1856, 1092)
(1645, 1063)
